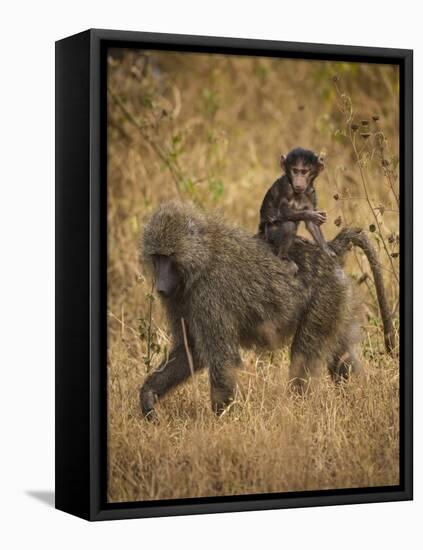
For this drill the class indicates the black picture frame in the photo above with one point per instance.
(81, 255)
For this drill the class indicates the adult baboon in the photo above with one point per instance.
(224, 290)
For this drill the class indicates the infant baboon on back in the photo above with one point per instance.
(290, 200)
(224, 290)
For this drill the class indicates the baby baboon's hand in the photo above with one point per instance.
(318, 216)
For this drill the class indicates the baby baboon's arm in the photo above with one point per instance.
(269, 210)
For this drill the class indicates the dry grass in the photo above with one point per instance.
(210, 129)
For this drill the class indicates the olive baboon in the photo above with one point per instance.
(291, 199)
(224, 290)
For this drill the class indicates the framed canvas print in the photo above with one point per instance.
(233, 274)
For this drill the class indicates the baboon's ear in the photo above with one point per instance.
(320, 164)
(283, 162)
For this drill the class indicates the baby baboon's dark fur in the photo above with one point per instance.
(232, 292)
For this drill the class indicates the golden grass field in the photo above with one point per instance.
(210, 129)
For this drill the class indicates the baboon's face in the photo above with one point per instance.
(301, 169)
(166, 275)
(301, 175)
(174, 247)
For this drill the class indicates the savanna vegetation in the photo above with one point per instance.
(210, 129)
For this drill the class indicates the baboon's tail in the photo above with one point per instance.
(355, 236)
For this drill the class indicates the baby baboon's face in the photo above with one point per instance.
(302, 167)
(300, 175)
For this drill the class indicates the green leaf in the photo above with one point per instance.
(216, 188)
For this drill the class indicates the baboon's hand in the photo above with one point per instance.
(318, 216)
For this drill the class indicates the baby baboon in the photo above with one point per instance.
(224, 290)
(292, 199)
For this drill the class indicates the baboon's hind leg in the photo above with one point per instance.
(301, 370)
(222, 384)
(343, 364)
(311, 344)
(344, 361)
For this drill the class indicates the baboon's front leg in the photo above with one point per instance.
(167, 376)
(301, 370)
(222, 385)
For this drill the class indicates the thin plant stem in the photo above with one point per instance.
(150, 319)
(187, 350)
(363, 180)
(189, 357)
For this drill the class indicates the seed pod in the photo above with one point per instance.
(363, 278)
(372, 228)
(301, 107)
(354, 127)
(365, 135)
(338, 221)
(395, 254)
(391, 238)
(375, 117)
(336, 196)
(385, 162)
(365, 122)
